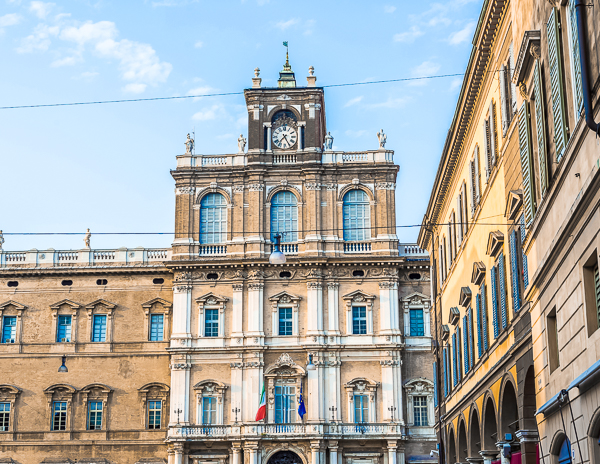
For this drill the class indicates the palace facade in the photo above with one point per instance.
(170, 353)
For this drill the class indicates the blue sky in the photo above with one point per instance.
(106, 167)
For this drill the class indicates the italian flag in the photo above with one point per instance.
(262, 407)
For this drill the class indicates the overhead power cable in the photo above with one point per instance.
(180, 97)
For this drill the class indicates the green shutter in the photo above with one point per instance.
(575, 59)
(504, 103)
(526, 164)
(555, 65)
(540, 124)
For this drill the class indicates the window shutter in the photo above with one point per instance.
(486, 150)
(435, 384)
(465, 224)
(466, 344)
(514, 271)
(445, 364)
(459, 229)
(526, 164)
(454, 369)
(459, 357)
(471, 338)
(492, 140)
(479, 325)
(495, 302)
(556, 84)
(597, 286)
(525, 269)
(440, 265)
(472, 186)
(503, 100)
(484, 318)
(513, 86)
(575, 59)
(450, 240)
(477, 177)
(502, 290)
(540, 125)
(455, 244)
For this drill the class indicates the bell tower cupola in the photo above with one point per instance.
(286, 77)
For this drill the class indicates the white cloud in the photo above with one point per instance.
(408, 36)
(389, 8)
(88, 32)
(198, 44)
(463, 35)
(355, 133)
(9, 19)
(391, 102)
(135, 88)
(455, 84)
(208, 114)
(309, 26)
(283, 25)
(66, 61)
(39, 40)
(200, 91)
(353, 101)
(425, 69)
(41, 9)
(87, 76)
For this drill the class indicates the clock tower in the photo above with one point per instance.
(285, 120)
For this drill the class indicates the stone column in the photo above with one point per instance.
(333, 452)
(388, 310)
(252, 386)
(171, 455)
(332, 388)
(182, 313)
(392, 449)
(333, 329)
(528, 440)
(315, 451)
(237, 311)
(237, 388)
(400, 454)
(488, 456)
(180, 392)
(314, 302)
(178, 453)
(391, 387)
(268, 126)
(316, 391)
(235, 449)
(255, 312)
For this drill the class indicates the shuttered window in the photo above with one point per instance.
(471, 338)
(435, 384)
(495, 319)
(513, 86)
(575, 58)
(487, 152)
(515, 270)
(465, 224)
(472, 186)
(492, 133)
(502, 290)
(459, 353)
(540, 127)
(555, 65)
(597, 290)
(504, 100)
(450, 241)
(454, 361)
(477, 175)
(479, 325)
(484, 317)
(445, 362)
(466, 344)
(526, 163)
(454, 232)
(459, 229)
(523, 231)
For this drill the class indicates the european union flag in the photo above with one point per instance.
(301, 408)
(285, 44)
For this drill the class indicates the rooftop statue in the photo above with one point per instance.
(189, 145)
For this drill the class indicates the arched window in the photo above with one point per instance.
(564, 456)
(284, 216)
(213, 218)
(357, 216)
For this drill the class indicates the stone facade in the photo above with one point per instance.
(345, 324)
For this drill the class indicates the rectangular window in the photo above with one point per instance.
(154, 414)
(420, 410)
(591, 288)
(4, 416)
(63, 329)
(484, 317)
(575, 59)
(285, 321)
(502, 291)
(466, 345)
(417, 326)
(515, 269)
(540, 127)
(209, 410)
(454, 361)
(552, 330)
(359, 320)
(459, 354)
(211, 322)
(99, 328)
(59, 415)
(529, 204)
(9, 329)
(94, 415)
(156, 327)
(361, 408)
(446, 374)
(285, 404)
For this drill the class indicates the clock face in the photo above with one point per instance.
(284, 137)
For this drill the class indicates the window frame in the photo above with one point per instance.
(220, 235)
(96, 412)
(211, 301)
(154, 392)
(100, 308)
(362, 386)
(420, 387)
(284, 300)
(359, 298)
(287, 235)
(347, 228)
(157, 306)
(11, 309)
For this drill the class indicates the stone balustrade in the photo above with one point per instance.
(411, 250)
(85, 257)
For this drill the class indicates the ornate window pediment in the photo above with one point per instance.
(525, 59)
(155, 302)
(419, 386)
(209, 396)
(419, 395)
(445, 332)
(60, 393)
(12, 308)
(513, 204)
(417, 299)
(10, 304)
(285, 365)
(285, 298)
(56, 306)
(211, 315)
(495, 242)
(464, 298)
(358, 296)
(92, 395)
(478, 273)
(454, 315)
(211, 299)
(281, 321)
(157, 306)
(9, 394)
(101, 305)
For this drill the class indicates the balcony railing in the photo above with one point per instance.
(375, 431)
(213, 250)
(411, 250)
(85, 257)
(357, 247)
(284, 158)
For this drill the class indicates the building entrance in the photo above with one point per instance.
(285, 457)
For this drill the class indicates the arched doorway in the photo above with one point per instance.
(529, 422)
(475, 436)
(490, 431)
(285, 457)
(509, 413)
(451, 448)
(564, 455)
(463, 451)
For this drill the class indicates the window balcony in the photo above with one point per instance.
(357, 247)
(284, 158)
(213, 250)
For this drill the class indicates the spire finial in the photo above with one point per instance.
(286, 77)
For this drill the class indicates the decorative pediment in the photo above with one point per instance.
(445, 332)
(98, 387)
(210, 386)
(154, 390)
(67, 302)
(358, 296)
(100, 304)
(454, 315)
(9, 392)
(287, 364)
(419, 386)
(285, 297)
(416, 299)
(513, 204)
(212, 299)
(465, 296)
(526, 57)
(14, 304)
(61, 390)
(478, 273)
(157, 301)
(361, 384)
(495, 242)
